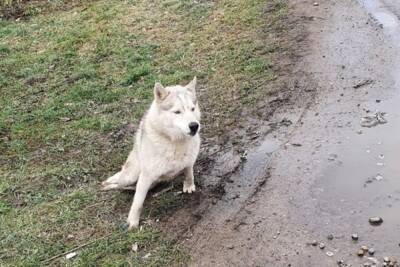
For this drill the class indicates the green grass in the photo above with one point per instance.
(71, 82)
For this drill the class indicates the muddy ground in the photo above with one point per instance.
(317, 174)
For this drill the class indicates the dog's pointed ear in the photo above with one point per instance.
(192, 85)
(160, 93)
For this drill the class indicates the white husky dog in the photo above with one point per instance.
(167, 143)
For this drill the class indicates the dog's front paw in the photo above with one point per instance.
(133, 223)
(189, 188)
(111, 182)
(106, 185)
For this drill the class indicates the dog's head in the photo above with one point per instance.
(178, 110)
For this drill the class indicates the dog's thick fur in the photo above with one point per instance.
(167, 143)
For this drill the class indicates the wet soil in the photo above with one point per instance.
(317, 172)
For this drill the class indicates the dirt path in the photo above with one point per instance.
(324, 174)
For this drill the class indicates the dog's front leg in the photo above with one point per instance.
(142, 187)
(188, 184)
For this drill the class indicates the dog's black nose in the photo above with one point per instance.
(193, 126)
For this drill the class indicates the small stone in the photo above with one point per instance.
(371, 251)
(386, 259)
(296, 144)
(364, 248)
(230, 247)
(329, 254)
(65, 119)
(316, 4)
(360, 253)
(321, 245)
(378, 101)
(70, 255)
(124, 226)
(314, 243)
(147, 256)
(354, 237)
(243, 157)
(135, 247)
(367, 264)
(340, 262)
(375, 220)
(330, 237)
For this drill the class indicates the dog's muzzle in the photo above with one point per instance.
(194, 127)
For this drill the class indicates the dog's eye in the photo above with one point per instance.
(192, 109)
(177, 112)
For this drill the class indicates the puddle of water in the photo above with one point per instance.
(386, 17)
(258, 157)
(360, 187)
(257, 161)
(253, 171)
(373, 155)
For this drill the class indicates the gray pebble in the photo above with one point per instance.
(375, 220)
(330, 237)
(124, 226)
(354, 237)
(321, 245)
(371, 251)
(360, 253)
